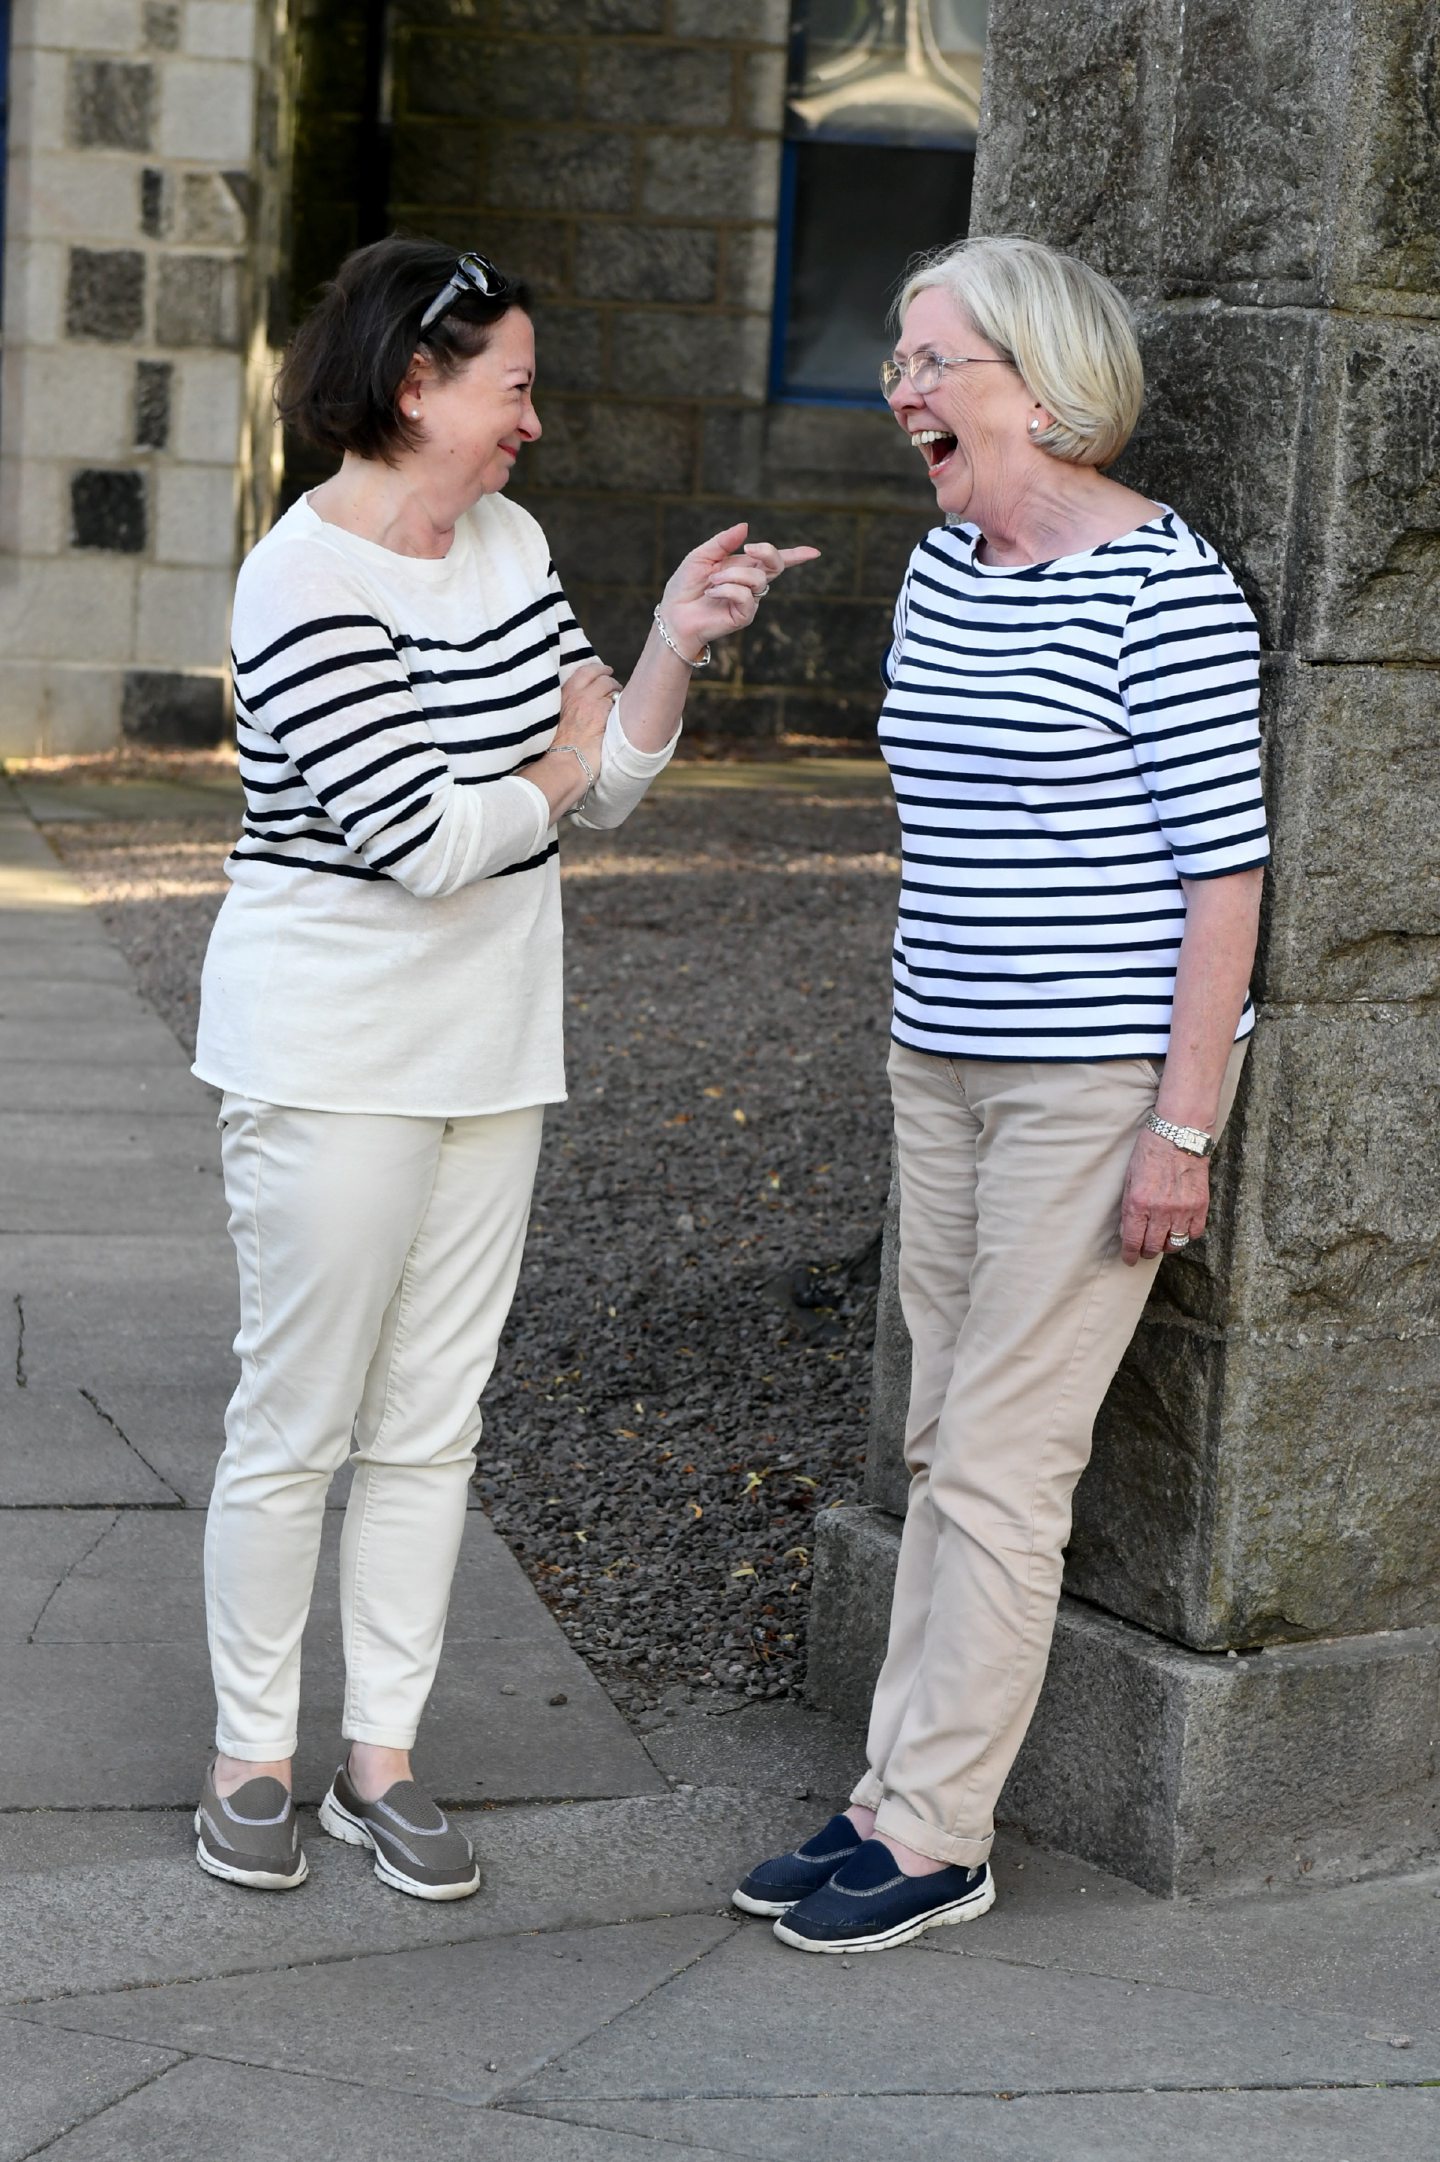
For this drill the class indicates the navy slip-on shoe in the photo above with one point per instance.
(870, 1904)
(775, 1886)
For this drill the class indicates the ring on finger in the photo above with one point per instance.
(1176, 1239)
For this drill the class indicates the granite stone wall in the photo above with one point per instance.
(131, 194)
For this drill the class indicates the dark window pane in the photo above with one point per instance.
(860, 212)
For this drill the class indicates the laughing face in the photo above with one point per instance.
(972, 428)
(478, 420)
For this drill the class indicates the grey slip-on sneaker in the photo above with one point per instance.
(416, 1848)
(251, 1836)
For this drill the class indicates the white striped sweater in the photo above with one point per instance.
(391, 939)
(1067, 741)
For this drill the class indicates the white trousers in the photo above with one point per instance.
(378, 1259)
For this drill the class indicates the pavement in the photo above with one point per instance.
(598, 2001)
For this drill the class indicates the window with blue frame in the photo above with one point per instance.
(880, 125)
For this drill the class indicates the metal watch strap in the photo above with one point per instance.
(1193, 1139)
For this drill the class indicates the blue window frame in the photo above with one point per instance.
(879, 157)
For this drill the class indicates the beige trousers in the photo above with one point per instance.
(1019, 1310)
(378, 1259)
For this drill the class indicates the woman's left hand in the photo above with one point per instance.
(720, 584)
(1167, 1192)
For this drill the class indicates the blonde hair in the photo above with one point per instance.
(1064, 329)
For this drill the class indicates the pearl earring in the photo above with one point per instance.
(1034, 427)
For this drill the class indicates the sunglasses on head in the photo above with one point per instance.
(473, 274)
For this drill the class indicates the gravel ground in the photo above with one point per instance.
(684, 1382)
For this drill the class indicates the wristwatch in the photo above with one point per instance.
(1193, 1139)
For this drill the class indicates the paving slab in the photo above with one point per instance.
(462, 2021)
(1336, 2125)
(1371, 1950)
(38, 1549)
(142, 1039)
(65, 1086)
(74, 800)
(83, 1912)
(205, 2108)
(748, 2023)
(77, 959)
(95, 993)
(781, 1747)
(99, 1312)
(58, 1450)
(179, 1428)
(116, 1172)
(50, 2082)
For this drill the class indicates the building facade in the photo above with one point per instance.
(712, 205)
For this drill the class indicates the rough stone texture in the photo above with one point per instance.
(1184, 1773)
(112, 104)
(107, 510)
(152, 404)
(197, 301)
(1260, 1472)
(105, 294)
(165, 707)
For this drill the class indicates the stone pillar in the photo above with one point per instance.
(132, 187)
(1246, 1682)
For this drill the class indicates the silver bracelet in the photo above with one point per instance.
(576, 752)
(702, 662)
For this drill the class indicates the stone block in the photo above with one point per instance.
(152, 404)
(1387, 255)
(1354, 752)
(818, 645)
(1183, 1772)
(659, 86)
(599, 540)
(1076, 119)
(715, 713)
(558, 169)
(645, 262)
(107, 510)
(195, 515)
(105, 294)
(616, 623)
(1367, 580)
(1260, 92)
(689, 354)
(38, 101)
(36, 281)
(740, 22)
(433, 166)
(214, 209)
(565, 17)
(748, 280)
(174, 711)
(198, 301)
(77, 609)
(84, 196)
(762, 92)
(161, 25)
(834, 454)
(112, 104)
(58, 709)
(571, 345)
(220, 29)
(77, 396)
(35, 513)
(732, 451)
(886, 546)
(711, 176)
(535, 249)
(207, 404)
(181, 616)
(1224, 435)
(450, 76)
(155, 202)
(600, 443)
(76, 25)
(207, 111)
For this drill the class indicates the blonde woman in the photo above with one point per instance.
(1071, 729)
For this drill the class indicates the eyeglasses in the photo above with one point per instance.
(924, 369)
(473, 274)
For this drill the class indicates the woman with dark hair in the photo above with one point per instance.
(381, 1005)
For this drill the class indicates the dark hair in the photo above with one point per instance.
(339, 383)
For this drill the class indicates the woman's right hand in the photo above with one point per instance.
(585, 703)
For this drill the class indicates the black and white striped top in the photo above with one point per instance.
(1067, 742)
(391, 938)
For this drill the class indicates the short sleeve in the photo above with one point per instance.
(1190, 682)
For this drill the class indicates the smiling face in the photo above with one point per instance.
(973, 428)
(476, 421)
